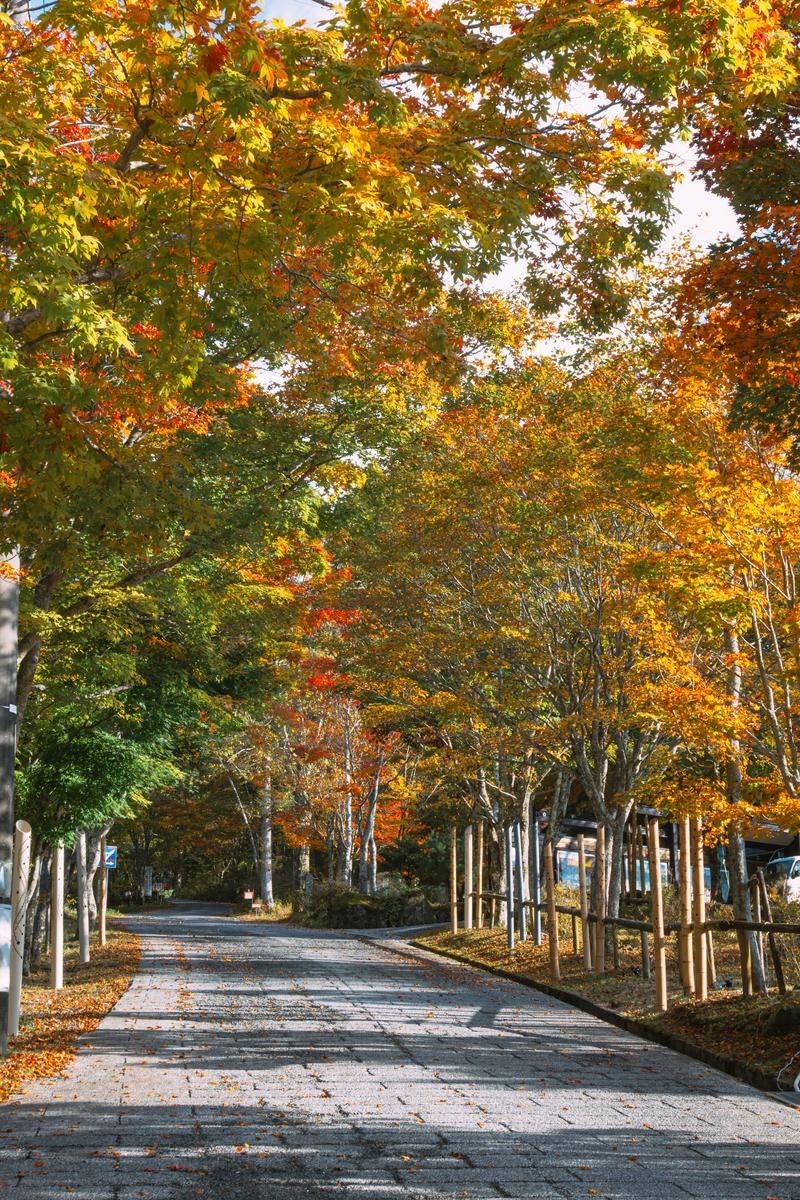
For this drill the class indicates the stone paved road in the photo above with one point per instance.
(284, 1064)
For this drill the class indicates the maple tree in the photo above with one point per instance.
(244, 336)
(743, 295)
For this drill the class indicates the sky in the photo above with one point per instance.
(705, 218)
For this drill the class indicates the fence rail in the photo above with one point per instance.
(696, 954)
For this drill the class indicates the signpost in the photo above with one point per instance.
(110, 856)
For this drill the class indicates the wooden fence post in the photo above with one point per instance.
(746, 960)
(645, 947)
(600, 900)
(479, 876)
(519, 873)
(699, 912)
(453, 879)
(685, 949)
(57, 918)
(631, 827)
(509, 889)
(657, 910)
(552, 915)
(712, 965)
(773, 944)
(468, 877)
(536, 876)
(585, 929)
(755, 904)
(83, 897)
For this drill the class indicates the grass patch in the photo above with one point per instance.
(747, 1029)
(280, 911)
(52, 1021)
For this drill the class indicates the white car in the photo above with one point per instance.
(784, 874)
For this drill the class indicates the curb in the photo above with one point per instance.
(762, 1080)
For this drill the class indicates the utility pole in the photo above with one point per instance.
(9, 617)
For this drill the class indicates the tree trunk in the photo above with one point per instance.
(373, 866)
(742, 908)
(304, 877)
(39, 923)
(247, 825)
(615, 855)
(57, 918)
(83, 898)
(31, 909)
(93, 855)
(346, 845)
(366, 850)
(265, 813)
(737, 862)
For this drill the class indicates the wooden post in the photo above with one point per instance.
(657, 910)
(83, 898)
(755, 903)
(632, 854)
(492, 912)
(645, 945)
(509, 889)
(468, 877)
(773, 944)
(585, 930)
(552, 915)
(745, 959)
(712, 966)
(574, 934)
(600, 902)
(103, 905)
(698, 911)
(57, 918)
(536, 876)
(453, 879)
(519, 873)
(685, 947)
(615, 946)
(20, 870)
(479, 876)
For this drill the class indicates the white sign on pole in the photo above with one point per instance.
(147, 882)
(5, 947)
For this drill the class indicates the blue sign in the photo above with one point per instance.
(111, 857)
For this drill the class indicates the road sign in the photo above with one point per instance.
(248, 895)
(111, 857)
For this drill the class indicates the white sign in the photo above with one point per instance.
(147, 883)
(5, 946)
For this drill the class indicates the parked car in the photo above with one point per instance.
(784, 875)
